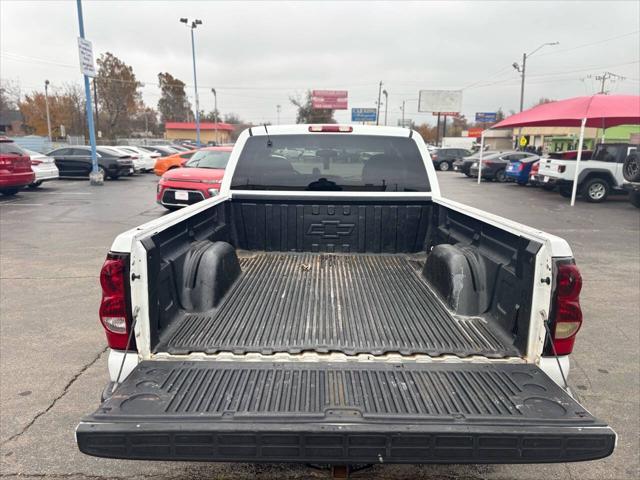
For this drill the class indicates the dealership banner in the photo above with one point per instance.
(330, 99)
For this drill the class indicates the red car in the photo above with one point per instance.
(199, 178)
(15, 167)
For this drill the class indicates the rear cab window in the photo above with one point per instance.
(331, 162)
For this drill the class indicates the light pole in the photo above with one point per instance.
(215, 111)
(46, 102)
(193, 26)
(522, 69)
(386, 104)
(95, 177)
(378, 112)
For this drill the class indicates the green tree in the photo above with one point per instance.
(427, 132)
(232, 118)
(173, 104)
(308, 114)
(66, 108)
(458, 124)
(9, 95)
(117, 91)
(542, 101)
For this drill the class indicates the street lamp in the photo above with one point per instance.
(522, 69)
(386, 104)
(215, 105)
(215, 111)
(46, 102)
(193, 26)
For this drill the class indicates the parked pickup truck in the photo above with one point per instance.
(334, 312)
(631, 174)
(599, 176)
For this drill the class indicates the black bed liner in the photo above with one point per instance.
(349, 412)
(293, 302)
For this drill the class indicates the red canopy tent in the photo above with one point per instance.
(599, 111)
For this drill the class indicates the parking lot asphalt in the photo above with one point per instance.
(53, 357)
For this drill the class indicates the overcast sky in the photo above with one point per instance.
(257, 55)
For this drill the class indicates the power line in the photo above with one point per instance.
(598, 42)
(552, 74)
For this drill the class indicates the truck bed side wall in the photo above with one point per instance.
(166, 252)
(506, 266)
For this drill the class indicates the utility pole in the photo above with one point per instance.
(522, 75)
(386, 105)
(402, 108)
(378, 112)
(278, 114)
(215, 105)
(46, 102)
(604, 77)
(95, 177)
(215, 111)
(522, 69)
(194, 25)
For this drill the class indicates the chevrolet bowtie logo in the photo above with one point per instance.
(331, 229)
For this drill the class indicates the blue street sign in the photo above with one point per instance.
(486, 117)
(363, 114)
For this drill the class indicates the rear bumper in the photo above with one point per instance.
(49, 172)
(13, 180)
(544, 179)
(486, 173)
(344, 443)
(631, 187)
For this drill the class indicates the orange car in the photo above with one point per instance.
(172, 161)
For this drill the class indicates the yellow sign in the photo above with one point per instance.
(523, 141)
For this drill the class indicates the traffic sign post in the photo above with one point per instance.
(523, 142)
(363, 115)
(88, 69)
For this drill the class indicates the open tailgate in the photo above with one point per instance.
(343, 413)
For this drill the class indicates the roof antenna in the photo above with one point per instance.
(269, 142)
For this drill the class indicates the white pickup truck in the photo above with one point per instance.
(600, 175)
(631, 174)
(335, 308)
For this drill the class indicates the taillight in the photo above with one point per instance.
(331, 128)
(567, 314)
(535, 168)
(114, 309)
(561, 168)
(36, 162)
(520, 167)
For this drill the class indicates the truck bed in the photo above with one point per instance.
(349, 303)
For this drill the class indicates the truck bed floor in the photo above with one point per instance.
(294, 302)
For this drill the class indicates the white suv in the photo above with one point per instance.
(598, 177)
